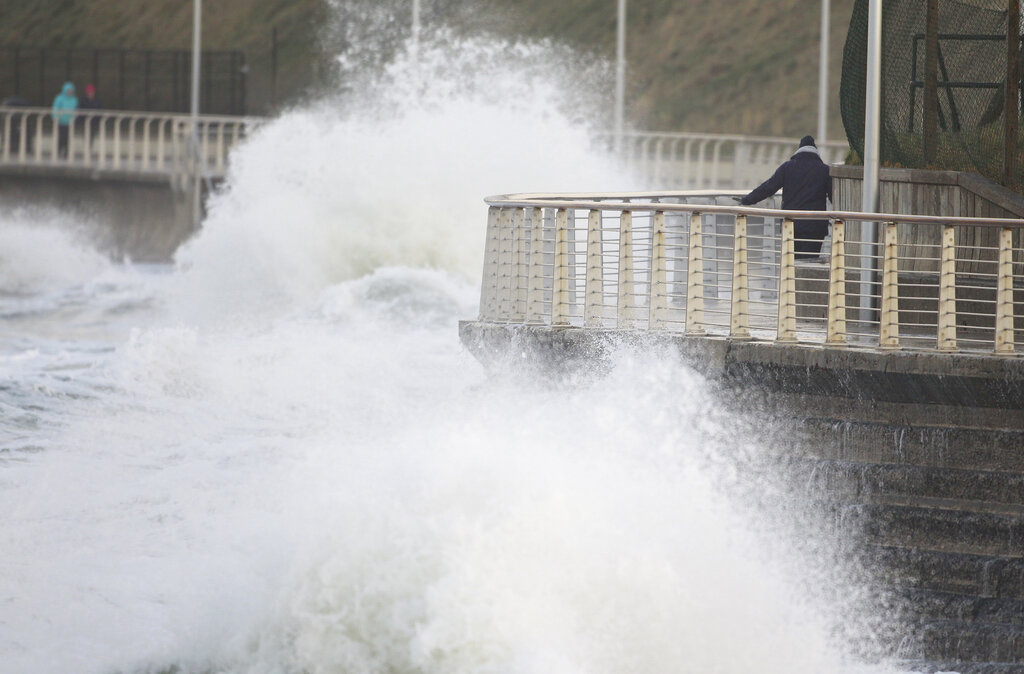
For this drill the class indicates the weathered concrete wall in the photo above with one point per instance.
(130, 216)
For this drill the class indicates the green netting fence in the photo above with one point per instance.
(970, 71)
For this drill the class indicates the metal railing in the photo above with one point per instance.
(137, 142)
(700, 264)
(712, 161)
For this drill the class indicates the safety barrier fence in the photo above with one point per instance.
(711, 161)
(700, 264)
(116, 140)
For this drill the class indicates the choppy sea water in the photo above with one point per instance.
(274, 455)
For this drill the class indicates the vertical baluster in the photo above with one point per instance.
(889, 317)
(947, 292)
(117, 142)
(23, 150)
(6, 139)
(593, 308)
(625, 313)
(505, 264)
(786, 331)
(489, 283)
(658, 304)
(560, 271)
(517, 307)
(740, 314)
(161, 150)
(1004, 294)
(836, 330)
(535, 290)
(695, 277)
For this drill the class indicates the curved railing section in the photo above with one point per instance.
(713, 161)
(698, 263)
(113, 140)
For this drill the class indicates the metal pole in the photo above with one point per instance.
(823, 74)
(415, 46)
(197, 21)
(872, 119)
(620, 76)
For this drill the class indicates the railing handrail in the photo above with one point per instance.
(693, 135)
(588, 201)
(126, 114)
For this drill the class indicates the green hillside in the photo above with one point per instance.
(741, 66)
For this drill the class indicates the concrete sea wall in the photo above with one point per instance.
(912, 462)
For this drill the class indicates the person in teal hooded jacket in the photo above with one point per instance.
(63, 105)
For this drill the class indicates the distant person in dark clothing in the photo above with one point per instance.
(806, 184)
(64, 105)
(90, 104)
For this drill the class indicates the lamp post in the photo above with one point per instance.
(872, 130)
(823, 73)
(620, 76)
(197, 27)
(415, 46)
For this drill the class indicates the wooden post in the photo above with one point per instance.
(786, 331)
(1012, 111)
(931, 77)
(889, 327)
(836, 329)
(695, 277)
(593, 307)
(625, 313)
(535, 284)
(1004, 294)
(739, 324)
(658, 303)
(946, 338)
(560, 271)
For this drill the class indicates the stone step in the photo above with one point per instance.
(929, 667)
(892, 484)
(981, 533)
(974, 449)
(957, 641)
(932, 605)
(982, 576)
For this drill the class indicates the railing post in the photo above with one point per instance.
(593, 308)
(786, 331)
(1004, 294)
(695, 276)
(625, 314)
(740, 314)
(517, 308)
(889, 317)
(489, 283)
(101, 152)
(560, 271)
(658, 303)
(947, 292)
(23, 135)
(117, 142)
(535, 284)
(836, 329)
(505, 261)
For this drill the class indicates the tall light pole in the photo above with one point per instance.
(415, 47)
(197, 28)
(872, 132)
(620, 76)
(823, 73)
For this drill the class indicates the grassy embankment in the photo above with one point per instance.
(742, 66)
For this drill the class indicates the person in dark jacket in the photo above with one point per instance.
(806, 184)
(89, 103)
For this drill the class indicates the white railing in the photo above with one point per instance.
(712, 161)
(137, 142)
(700, 264)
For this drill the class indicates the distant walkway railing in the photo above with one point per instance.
(700, 264)
(712, 161)
(111, 140)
